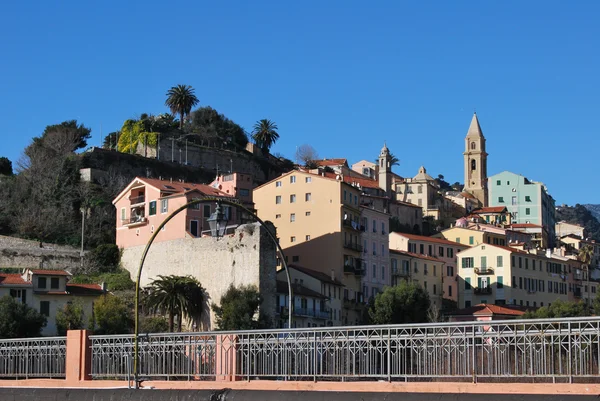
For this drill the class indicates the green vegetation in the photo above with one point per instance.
(180, 100)
(153, 324)
(558, 308)
(5, 166)
(119, 280)
(579, 214)
(70, 317)
(239, 310)
(18, 320)
(403, 303)
(176, 296)
(265, 134)
(112, 315)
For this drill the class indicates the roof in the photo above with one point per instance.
(85, 289)
(282, 288)
(467, 195)
(416, 255)
(316, 274)
(41, 272)
(489, 310)
(414, 237)
(422, 175)
(491, 209)
(330, 162)
(183, 187)
(348, 179)
(507, 248)
(474, 128)
(525, 225)
(14, 279)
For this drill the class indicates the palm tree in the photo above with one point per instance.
(176, 295)
(586, 253)
(181, 99)
(394, 161)
(265, 134)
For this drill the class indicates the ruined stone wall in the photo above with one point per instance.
(21, 253)
(245, 257)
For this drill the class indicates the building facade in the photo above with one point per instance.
(475, 158)
(528, 201)
(375, 251)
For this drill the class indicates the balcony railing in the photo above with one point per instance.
(137, 199)
(137, 220)
(352, 269)
(351, 224)
(484, 270)
(318, 314)
(354, 247)
(483, 290)
(398, 271)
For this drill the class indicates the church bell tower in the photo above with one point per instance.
(476, 163)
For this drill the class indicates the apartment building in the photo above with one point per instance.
(146, 202)
(318, 298)
(563, 228)
(529, 202)
(374, 224)
(424, 270)
(495, 274)
(317, 217)
(475, 234)
(49, 291)
(439, 248)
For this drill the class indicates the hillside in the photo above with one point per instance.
(581, 215)
(594, 209)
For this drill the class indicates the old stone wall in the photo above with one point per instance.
(245, 257)
(21, 253)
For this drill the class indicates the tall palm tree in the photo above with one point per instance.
(394, 161)
(265, 134)
(180, 296)
(586, 253)
(181, 99)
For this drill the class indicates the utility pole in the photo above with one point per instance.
(186, 162)
(84, 211)
(172, 149)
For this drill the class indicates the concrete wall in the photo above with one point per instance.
(20, 253)
(245, 257)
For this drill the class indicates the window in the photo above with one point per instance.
(307, 214)
(292, 217)
(507, 182)
(345, 195)
(383, 272)
(42, 282)
(514, 282)
(54, 283)
(441, 251)
(526, 263)
(374, 271)
(484, 261)
(123, 214)
(473, 165)
(45, 308)
(292, 239)
(295, 258)
(501, 199)
(277, 216)
(449, 271)
(434, 270)
(206, 213)
(467, 283)
(164, 205)
(420, 202)
(450, 253)
(527, 211)
(382, 228)
(500, 283)
(382, 250)
(278, 200)
(416, 267)
(467, 262)
(421, 249)
(374, 226)
(420, 189)
(434, 289)
(356, 199)
(292, 198)
(514, 200)
(499, 261)
(425, 271)
(152, 208)
(527, 198)
(308, 238)
(308, 197)
(473, 146)
(520, 283)
(277, 184)
(498, 182)
(293, 179)
(374, 249)
(430, 248)
(244, 192)
(449, 290)
(467, 304)
(308, 180)
(471, 240)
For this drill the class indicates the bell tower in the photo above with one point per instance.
(385, 169)
(476, 163)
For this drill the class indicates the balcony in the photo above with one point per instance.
(483, 291)
(135, 221)
(355, 303)
(356, 270)
(354, 247)
(398, 271)
(136, 200)
(577, 292)
(484, 270)
(351, 224)
(306, 312)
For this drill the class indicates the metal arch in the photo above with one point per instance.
(151, 240)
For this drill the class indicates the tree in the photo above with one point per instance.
(133, 132)
(210, 126)
(586, 254)
(265, 134)
(112, 316)
(153, 324)
(70, 317)
(394, 161)
(180, 100)
(307, 155)
(5, 166)
(239, 309)
(558, 308)
(404, 303)
(18, 320)
(180, 296)
(110, 141)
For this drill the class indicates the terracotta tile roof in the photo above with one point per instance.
(330, 162)
(84, 289)
(507, 248)
(41, 272)
(8, 279)
(525, 225)
(177, 187)
(282, 288)
(467, 195)
(491, 209)
(406, 204)
(316, 274)
(416, 255)
(414, 237)
(487, 310)
(363, 182)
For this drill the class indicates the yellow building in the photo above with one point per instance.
(495, 274)
(423, 270)
(318, 225)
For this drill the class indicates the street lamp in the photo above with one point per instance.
(217, 222)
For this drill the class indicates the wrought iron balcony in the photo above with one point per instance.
(483, 291)
(353, 246)
(351, 224)
(318, 314)
(137, 199)
(135, 221)
(484, 270)
(398, 271)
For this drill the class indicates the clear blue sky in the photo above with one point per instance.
(341, 75)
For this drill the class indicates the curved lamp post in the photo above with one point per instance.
(218, 225)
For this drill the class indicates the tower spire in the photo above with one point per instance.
(474, 128)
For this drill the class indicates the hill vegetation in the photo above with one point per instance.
(581, 215)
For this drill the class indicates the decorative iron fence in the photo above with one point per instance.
(33, 357)
(505, 350)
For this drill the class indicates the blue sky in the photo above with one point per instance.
(341, 75)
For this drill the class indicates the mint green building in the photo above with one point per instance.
(528, 201)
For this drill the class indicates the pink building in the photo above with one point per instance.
(144, 204)
(238, 185)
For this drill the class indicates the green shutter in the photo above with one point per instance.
(471, 240)
(478, 282)
(464, 262)
(500, 282)
(499, 261)
(467, 283)
(484, 261)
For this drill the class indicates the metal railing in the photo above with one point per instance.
(137, 199)
(319, 314)
(33, 357)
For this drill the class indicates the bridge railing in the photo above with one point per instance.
(551, 348)
(33, 357)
